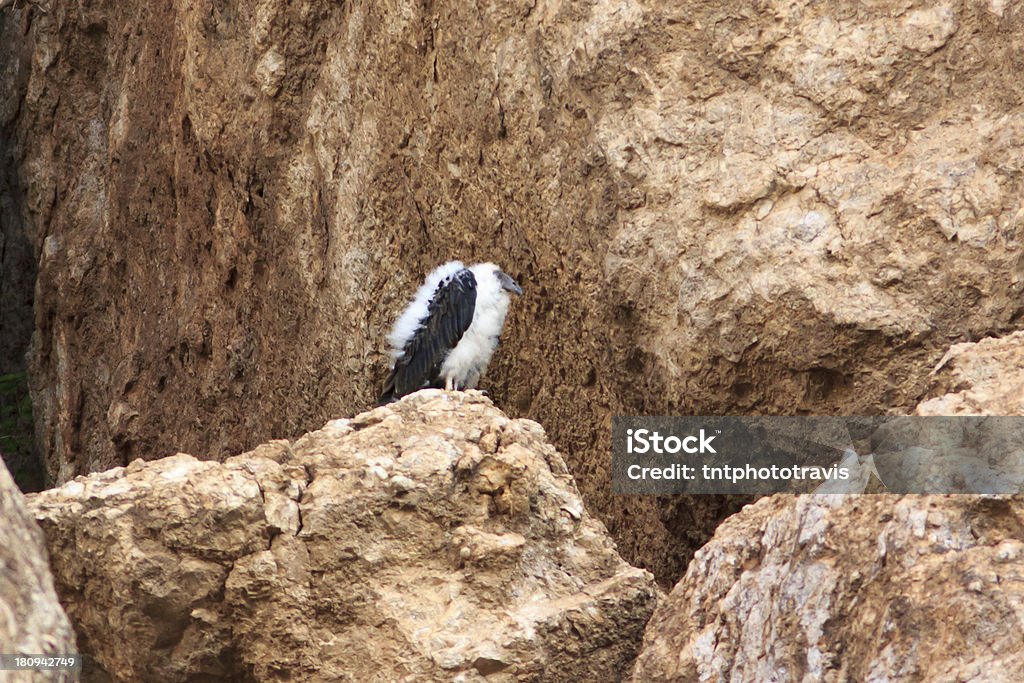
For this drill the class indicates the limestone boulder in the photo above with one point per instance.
(431, 540)
(834, 588)
(32, 621)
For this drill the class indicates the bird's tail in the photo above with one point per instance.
(388, 395)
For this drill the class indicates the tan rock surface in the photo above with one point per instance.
(849, 588)
(983, 378)
(32, 622)
(432, 540)
(714, 207)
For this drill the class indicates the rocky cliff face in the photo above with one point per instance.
(32, 622)
(713, 207)
(431, 540)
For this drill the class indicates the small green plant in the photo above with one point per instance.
(17, 438)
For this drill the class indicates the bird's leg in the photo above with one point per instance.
(449, 383)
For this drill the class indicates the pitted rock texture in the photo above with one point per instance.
(32, 622)
(431, 540)
(983, 378)
(873, 588)
(17, 257)
(714, 207)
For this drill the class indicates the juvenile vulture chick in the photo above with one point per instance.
(447, 335)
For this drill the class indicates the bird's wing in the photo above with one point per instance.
(449, 315)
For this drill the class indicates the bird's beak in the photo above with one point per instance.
(510, 285)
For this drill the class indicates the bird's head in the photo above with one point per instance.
(507, 283)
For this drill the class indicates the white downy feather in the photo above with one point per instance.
(469, 359)
(417, 310)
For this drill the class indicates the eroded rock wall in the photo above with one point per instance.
(17, 257)
(713, 207)
(431, 540)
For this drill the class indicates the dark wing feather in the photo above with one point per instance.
(449, 315)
